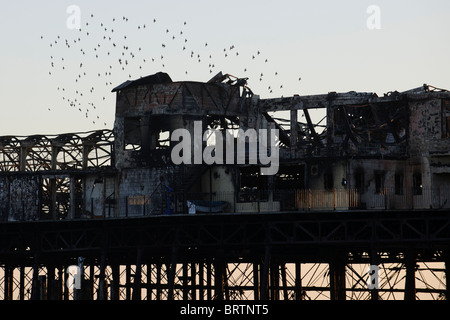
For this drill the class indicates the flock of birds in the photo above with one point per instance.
(86, 62)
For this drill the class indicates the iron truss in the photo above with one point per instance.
(230, 256)
(70, 151)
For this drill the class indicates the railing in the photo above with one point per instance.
(254, 201)
(165, 201)
(386, 199)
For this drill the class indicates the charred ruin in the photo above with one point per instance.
(365, 152)
(338, 152)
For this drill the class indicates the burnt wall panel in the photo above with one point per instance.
(4, 198)
(178, 97)
(143, 190)
(426, 128)
(24, 198)
(99, 196)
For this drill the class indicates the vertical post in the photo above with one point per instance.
(185, 281)
(171, 275)
(65, 288)
(264, 294)
(128, 281)
(137, 277)
(117, 212)
(334, 198)
(8, 284)
(410, 279)
(55, 151)
(115, 294)
(51, 283)
(447, 275)
(42, 287)
(35, 281)
(53, 198)
(274, 283)
(21, 283)
(101, 278)
(200, 280)
(208, 281)
(104, 196)
(293, 137)
(284, 281)
(219, 279)
(255, 282)
(89, 284)
(72, 198)
(23, 158)
(158, 281)
(337, 279)
(193, 282)
(298, 281)
(85, 156)
(42, 280)
(59, 284)
(309, 199)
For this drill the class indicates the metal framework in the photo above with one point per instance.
(291, 256)
(71, 151)
(114, 208)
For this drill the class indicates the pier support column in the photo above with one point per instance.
(298, 281)
(337, 279)
(447, 275)
(410, 279)
(264, 288)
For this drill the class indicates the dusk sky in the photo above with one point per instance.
(59, 60)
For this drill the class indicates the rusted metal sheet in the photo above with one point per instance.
(178, 98)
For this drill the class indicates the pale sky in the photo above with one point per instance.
(325, 43)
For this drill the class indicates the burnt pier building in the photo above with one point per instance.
(363, 183)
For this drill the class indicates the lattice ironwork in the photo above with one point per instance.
(70, 151)
(298, 257)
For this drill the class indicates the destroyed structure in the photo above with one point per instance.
(364, 152)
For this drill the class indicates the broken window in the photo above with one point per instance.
(379, 182)
(290, 177)
(55, 195)
(163, 139)
(359, 181)
(445, 118)
(132, 133)
(417, 183)
(399, 183)
(253, 185)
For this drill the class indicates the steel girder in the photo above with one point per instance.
(288, 233)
